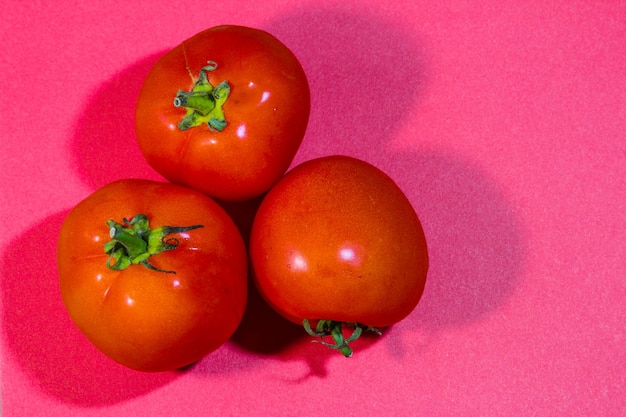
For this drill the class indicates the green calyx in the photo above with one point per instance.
(335, 330)
(204, 102)
(133, 242)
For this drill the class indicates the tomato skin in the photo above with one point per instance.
(336, 239)
(266, 112)
(144, 319)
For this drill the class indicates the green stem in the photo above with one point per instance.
(204, 102)
(133, 242)
(335, 330)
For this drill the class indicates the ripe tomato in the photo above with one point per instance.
(154, 274)
(224, 112)
(335, 241)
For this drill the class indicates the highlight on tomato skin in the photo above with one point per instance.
(336, 245)
(224, 112)
(153, 274)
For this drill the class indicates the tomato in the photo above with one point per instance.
(154, 274)
(224, 112)
(336, 242)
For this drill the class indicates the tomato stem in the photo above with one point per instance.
(204, 102)
(133, 242)
(335, 330)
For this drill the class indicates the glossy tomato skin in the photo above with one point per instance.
(336, 239)
(266, 112)
(145, 319)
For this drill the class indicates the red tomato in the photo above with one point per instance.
(154, 274)
(224, 112)
(335, 241)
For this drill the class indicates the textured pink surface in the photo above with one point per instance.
(504, 122)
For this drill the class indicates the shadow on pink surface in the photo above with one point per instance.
(365, 74)
(42, 338)
(474, 239)
(104, 146)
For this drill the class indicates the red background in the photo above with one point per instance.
(503, 121)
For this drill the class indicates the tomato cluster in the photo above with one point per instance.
(155, 274)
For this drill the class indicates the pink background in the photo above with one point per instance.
(504, 122)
